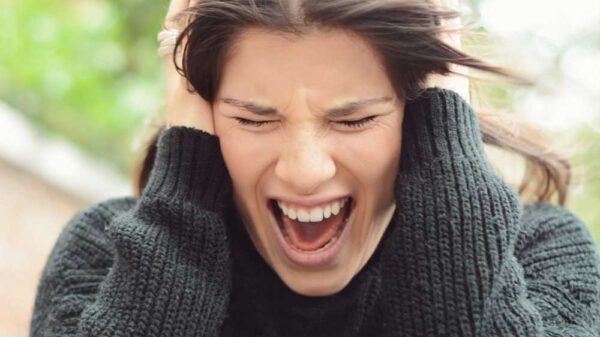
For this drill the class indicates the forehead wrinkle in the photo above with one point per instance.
(249, 106)
(343, 109)
(352, 106)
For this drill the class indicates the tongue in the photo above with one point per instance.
(312, 235)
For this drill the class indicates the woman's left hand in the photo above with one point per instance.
(456, 222)
(457, 83)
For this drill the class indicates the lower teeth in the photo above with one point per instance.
(327, 245)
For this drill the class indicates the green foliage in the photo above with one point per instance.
(87, 70)
(585, 194)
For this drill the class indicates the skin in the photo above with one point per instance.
(302, 152)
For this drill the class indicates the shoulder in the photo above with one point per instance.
(555, 245)
(78, 262)
(561, 265)
(82, 242)
(92, 220)
(106, 209)
(544, 223)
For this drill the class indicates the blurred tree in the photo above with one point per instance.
(585, 193)
(87, 69)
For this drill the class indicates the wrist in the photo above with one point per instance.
(439, 124)
(189, 168)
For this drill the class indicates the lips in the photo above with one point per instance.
(311, 236)
(323, 251)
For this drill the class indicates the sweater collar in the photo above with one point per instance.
(255, 282)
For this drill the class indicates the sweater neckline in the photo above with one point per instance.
(254, 281)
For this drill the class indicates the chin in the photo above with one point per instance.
(315, 284)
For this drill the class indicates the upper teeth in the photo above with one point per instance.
(313, 214)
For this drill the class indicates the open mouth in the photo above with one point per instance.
(312, 237)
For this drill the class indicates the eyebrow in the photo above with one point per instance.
(344, 110)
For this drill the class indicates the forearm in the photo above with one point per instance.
(163, 279)
(170, 274)
(455, 244)
(458, 229)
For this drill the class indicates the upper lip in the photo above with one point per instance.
(310, 202)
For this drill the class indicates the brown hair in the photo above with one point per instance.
(405, 32)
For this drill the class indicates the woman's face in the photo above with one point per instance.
(305, 155)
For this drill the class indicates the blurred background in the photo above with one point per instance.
(80, 82)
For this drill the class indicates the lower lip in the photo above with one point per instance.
(314, 259)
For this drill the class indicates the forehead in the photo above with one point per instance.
(320, 63)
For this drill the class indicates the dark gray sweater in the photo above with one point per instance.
(461, 256)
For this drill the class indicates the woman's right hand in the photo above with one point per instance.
(184, 108)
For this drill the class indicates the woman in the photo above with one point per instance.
(322, 183)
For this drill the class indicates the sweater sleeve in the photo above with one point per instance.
(459, 225)
(561, 269)
(160, 267)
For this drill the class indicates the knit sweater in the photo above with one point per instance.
(462, 256)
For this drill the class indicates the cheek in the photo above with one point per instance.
(374, 158)
(246, 158)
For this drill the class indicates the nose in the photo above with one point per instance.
(305, 163)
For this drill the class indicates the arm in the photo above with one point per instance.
(161, 268)
(458, 229)
(561, 269)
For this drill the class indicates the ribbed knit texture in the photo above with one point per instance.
(461, 256)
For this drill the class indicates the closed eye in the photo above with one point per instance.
(351, 124)
(358, 123)
(243, 121)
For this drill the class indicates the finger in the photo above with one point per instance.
(175, 7)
